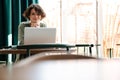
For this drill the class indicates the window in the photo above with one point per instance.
(80, 21)
(75, 20)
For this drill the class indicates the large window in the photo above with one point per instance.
(79, 21)
(75, 20)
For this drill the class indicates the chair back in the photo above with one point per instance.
(40, 58)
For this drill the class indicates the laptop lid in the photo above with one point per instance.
(34, 35)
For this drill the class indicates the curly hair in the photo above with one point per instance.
(37, 8)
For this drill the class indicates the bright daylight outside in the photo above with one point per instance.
(78, 22)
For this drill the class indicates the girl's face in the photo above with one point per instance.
(34, 17)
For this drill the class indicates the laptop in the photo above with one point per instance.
(34, 35)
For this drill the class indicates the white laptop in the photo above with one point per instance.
(39, 35)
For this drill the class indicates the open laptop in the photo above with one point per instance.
(39, 35)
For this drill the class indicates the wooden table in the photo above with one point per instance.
(44, 46)
(24, 51)
(32, 51)
(72, 69)
(28, 48)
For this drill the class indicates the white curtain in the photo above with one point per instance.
(75, 20)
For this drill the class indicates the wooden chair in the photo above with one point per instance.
(54, 56)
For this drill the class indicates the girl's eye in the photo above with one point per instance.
(33, 13)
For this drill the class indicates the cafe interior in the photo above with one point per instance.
(86, 47)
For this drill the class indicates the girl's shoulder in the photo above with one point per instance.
(42, 24)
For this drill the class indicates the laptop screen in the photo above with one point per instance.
(34, 35)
